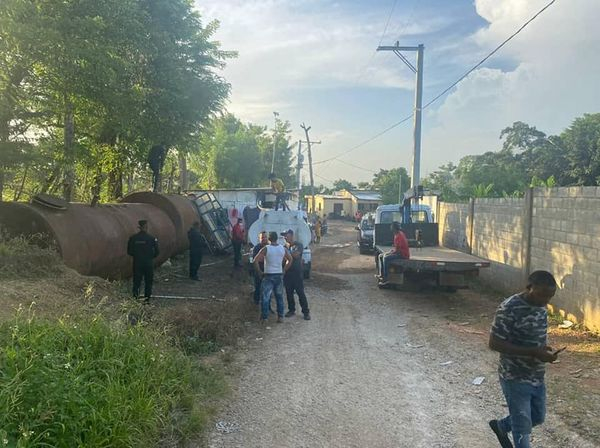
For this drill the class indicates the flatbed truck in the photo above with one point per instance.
(429, 262)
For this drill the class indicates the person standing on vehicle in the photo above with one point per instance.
(318, 230)
(262, 242)
(278, 188)
(400, 250)
(237, 240)
(519, 333)
(274, 256)
(294, 278)
(196, 241)
(143, 248)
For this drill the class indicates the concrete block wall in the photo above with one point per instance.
(497, 236)
(555, 229)
(565, 240)
(452, 221)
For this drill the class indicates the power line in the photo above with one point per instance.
(387, 23)
(356, 166)
(437, 97)
(489, 55)
(366, 141)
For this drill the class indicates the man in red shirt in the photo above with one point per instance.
(237, 238)
(400, 250)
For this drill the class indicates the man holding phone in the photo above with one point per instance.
(519, 333)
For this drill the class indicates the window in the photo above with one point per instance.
(390, 216)
(419, 216)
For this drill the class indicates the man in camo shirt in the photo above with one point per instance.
(519, 334)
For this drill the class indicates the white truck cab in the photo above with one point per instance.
(386, 214)
(279, 221)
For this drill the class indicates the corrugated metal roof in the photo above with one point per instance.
(365, 195)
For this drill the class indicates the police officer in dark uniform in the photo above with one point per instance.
(143, 247)
(196, 245)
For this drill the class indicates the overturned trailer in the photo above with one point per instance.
(93, 239)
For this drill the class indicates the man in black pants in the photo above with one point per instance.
(294, 277)
(196, 244)
(143, 247)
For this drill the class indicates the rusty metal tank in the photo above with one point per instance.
(92, 240)
(181, 210)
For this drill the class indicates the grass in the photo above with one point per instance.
(81, 382)
(111, 374)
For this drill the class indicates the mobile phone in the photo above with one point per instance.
(556, 352)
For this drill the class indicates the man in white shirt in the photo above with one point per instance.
(273, 257)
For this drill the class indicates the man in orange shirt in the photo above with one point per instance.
(400, 250)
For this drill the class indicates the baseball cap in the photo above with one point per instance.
(287, 232)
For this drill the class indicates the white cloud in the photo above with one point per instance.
(554, 81)
(287, 45)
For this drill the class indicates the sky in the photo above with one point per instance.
(314, 62)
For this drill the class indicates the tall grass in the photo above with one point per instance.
(83, 382)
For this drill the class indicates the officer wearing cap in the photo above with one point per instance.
(143, 247)
(294, 277)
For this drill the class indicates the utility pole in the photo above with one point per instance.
(310, 167)
(418, 71)
(300, 158)
(276, 115)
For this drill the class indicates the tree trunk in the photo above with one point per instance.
(129, 181)
(1, 183)
(69, 151)
(50, 180)
(184, 181)
(171, 181)
(115, 181)
(20, 191)
(97, 188)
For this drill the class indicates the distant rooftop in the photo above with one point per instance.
(366, 195)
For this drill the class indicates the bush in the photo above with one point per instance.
(81, 382)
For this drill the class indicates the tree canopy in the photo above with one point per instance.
(88, 87)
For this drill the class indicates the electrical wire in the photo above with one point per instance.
(387, 23)
(476, 66)
(369, 140)
(437, 97)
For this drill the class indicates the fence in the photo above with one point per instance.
(555, 229)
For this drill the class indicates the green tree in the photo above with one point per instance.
(443, 182)
(343, 184)
(364, 185)
(390, 182)
(582, 143)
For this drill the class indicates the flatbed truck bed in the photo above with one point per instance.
(446, 267)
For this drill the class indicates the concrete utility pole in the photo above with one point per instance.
(300, 158)
(310, 167)
(418, 71)
(276, 115)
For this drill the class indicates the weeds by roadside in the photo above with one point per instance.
(85, 382)
(115, 372)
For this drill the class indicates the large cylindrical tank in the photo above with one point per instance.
(181, 210)
(92, 240)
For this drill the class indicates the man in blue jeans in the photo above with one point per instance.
(273, 257)
(519, 334)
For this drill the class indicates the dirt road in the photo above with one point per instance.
(374, 368)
